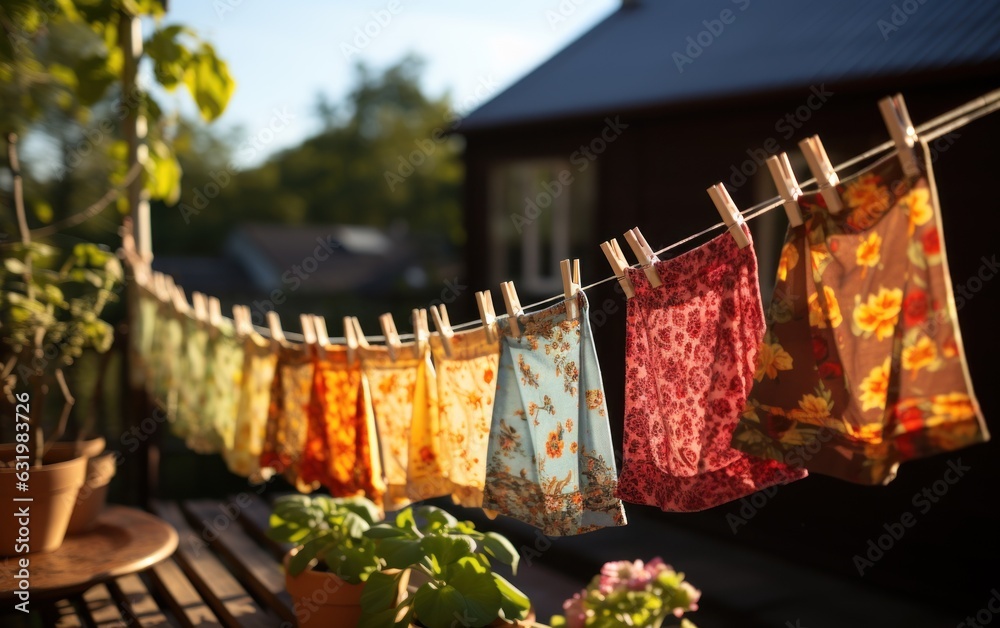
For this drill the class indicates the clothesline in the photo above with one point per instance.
(927, 132)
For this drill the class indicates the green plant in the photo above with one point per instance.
(449, 561)
(631, 594)
(50, 307)
(329, 531)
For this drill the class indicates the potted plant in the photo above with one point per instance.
(50, 307)
(450, 565)
(326, 571)
(631, 594)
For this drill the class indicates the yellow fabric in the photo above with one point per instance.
(404, 396)
(466, 383)
(242, 444)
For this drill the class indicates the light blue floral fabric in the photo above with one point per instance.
(550, 461)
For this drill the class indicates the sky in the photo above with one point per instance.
(283, 56)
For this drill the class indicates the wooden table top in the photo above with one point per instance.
(124, 540)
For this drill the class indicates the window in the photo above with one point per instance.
(541, 211)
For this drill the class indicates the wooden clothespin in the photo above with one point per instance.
(239, 323)
(730, 214)
(274, 326)
(513, 305)
(351, 338)
(392, 341)
(618, 264)
(178, 297)
(200, 302)
(421, 329)
(788, 186)
(571, 286)
(484, 300)
(214, 313)
(440, 315)
(160, 287)
(644, 254)
(322, 334)
(308, 329)
(359, 334)
(822, 169)
(897, 120)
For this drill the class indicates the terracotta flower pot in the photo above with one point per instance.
(321, 599)
(53, 489)
(101, 468)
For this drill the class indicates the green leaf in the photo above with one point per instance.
(513, 603)
(365, 508)
(353, 524)
(164, 171)
(433, 514)
(405, 520)
(14, 265)
(381, 619)
(93, 77)
(557, 621)
(380, 591)
(447, 549)
(208, 79)
(470, 598)
(306, 554)
(499, 547)
(385, 531)
(400, 553)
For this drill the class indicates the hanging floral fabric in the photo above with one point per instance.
(224, 372)
(288, 414)
(243, 440)
(341, 449)
(404, 395)
(466, 383)
(191, 379)
(550, 461)
(862, 366)
(691, 346)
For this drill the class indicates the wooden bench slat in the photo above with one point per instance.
(65, 615)
(137, 603)
(254, 566)
(101, 607)
(180, 596)
(220, 590)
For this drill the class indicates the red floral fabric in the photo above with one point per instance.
(691, 349)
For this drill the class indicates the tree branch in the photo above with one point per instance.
(93, 210)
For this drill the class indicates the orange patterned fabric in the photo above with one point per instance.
(404, 395)
(466, 383)
(341, 447)
(288, 414)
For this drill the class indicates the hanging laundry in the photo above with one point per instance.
(243, 441)
(224, 374)
(690, 351)
(288, 414)
(341, 447)
(166, 354)
(192, 382)
(550, 461)
(466, 383)
(404, 395)
(862, 366)
(145, 311)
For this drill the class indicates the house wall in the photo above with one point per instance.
(654, 175)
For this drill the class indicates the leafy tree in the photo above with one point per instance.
(383, 158)
(61, 70)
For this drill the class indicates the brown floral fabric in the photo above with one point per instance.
(862, 366)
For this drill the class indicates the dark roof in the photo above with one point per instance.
(627, 61)
(330, 258)
(210, 275)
